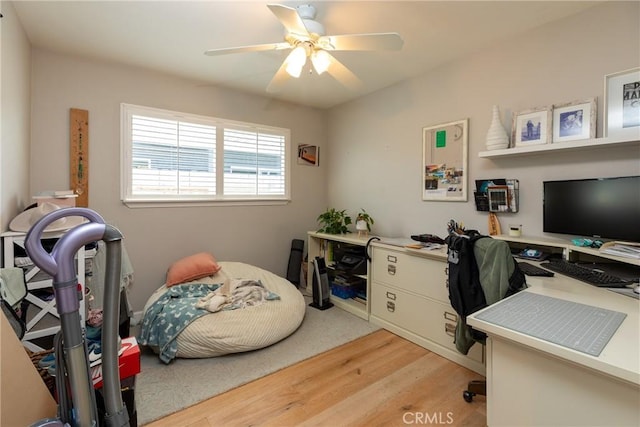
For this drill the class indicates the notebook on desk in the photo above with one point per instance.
(569, 324)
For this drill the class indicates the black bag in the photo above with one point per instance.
(465, 291)
(15, 321)
(13, 290)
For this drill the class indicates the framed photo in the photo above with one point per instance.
(444, 161)
(308, 155)
(574, 120)
(622, 104)
(532, 127)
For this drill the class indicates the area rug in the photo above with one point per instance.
(164, 389)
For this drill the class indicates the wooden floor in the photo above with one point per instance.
(377, 380)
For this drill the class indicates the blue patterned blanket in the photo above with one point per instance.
(170, 314)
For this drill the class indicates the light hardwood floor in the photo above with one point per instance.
(378, 380)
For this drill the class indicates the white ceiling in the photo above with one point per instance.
(171, 36)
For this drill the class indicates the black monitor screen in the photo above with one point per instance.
(607, 208)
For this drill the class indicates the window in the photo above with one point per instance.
(174, 157)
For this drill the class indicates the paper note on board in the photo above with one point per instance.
(441, 138)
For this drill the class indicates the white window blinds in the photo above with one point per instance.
(170, 156)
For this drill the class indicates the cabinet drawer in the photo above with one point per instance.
(429, 319)
(412, 273)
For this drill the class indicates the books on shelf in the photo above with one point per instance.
(622, 249)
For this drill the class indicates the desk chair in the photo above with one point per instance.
(481, 272)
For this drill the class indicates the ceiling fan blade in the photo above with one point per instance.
(289, 18)
(278, 80)
(374, 41)
(342, 74)
(252, 48)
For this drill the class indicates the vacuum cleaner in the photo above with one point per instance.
(76, 395)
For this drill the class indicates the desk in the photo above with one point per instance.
(535, 382)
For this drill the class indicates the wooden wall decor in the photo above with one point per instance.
(79, 155)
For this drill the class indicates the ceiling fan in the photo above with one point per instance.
(307, 40)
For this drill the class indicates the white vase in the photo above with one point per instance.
(497, 138)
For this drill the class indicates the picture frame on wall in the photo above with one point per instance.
(444, 161)
(532, 127)
(308, 155)
(575, 120)
(622, 104)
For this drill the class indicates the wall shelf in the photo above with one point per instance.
(560, 146)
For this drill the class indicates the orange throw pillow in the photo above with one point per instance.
(191, 268)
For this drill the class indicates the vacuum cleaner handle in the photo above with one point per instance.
(60, 265)
(49, 262)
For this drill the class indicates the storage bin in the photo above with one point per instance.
(344, 291)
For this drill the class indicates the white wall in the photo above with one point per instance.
(370, 149)
(155, 237)
(560, 62)
(15, 75)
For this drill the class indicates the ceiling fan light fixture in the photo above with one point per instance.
(320, 60)
(296, 60)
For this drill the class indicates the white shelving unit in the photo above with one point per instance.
(316, 247)
(559, 146)
(45, 319)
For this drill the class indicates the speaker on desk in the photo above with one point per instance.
(320, 286)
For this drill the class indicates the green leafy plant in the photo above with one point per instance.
(364, 216)
(333, 221)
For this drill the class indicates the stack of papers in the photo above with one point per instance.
(623, 249)
(404, 242)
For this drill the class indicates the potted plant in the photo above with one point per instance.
(333, 221)
(364, 222)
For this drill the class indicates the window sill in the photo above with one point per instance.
(134, 204)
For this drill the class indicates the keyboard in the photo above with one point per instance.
(593, 277)
(533, 270)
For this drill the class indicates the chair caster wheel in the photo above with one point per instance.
(468, 396)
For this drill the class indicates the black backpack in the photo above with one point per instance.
(465, 291)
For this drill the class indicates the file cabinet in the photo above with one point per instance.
(409, 297)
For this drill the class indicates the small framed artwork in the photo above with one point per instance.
(574, 120)
(622, 104)
(444, 161)
(532, 127)
(308, 155)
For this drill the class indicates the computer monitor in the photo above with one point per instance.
(604, 208)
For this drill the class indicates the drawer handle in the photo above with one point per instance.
(450, 316)
(392, 258)
(391, 269)
(391, 306)
(450, 329)
(391, 295)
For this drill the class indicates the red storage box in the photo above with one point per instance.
(129, 362)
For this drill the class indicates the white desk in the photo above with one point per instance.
(535, 382)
